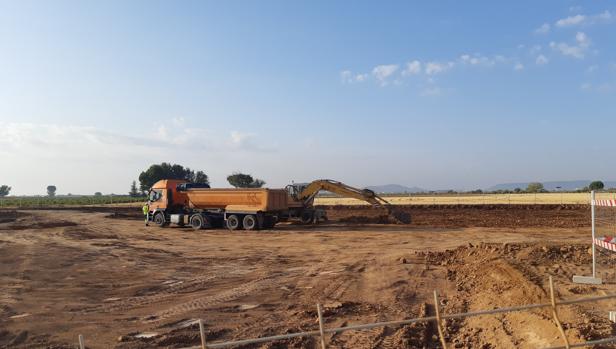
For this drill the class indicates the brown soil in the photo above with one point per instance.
(7, 216)
(124, 285)
(460, 216)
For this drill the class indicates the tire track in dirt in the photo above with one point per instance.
(363, 339)
(165, 294)
(332, 285)
(191, 285)
(226, 296)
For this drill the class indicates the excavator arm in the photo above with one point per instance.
(308, 193)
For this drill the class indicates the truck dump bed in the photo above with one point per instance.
(238, 200)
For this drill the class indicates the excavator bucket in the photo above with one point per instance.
(399, 216)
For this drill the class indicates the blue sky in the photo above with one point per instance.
(439, 95)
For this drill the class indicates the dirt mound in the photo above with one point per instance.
(495, 275)
(463, 216)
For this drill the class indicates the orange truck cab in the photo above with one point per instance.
(184, 203)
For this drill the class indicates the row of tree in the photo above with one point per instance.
(166, 170)
(241, 180)
(5, 190)
(535, 187)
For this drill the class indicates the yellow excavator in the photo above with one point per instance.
(302, 195)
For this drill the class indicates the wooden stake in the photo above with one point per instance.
(555, 315)
(321, 331)
(438, 321)
(202, 333)
(81, 342)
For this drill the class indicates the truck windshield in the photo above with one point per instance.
(155, 195)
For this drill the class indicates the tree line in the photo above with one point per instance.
(536, 187)
(165, 170)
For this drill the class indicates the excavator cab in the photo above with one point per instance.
(294, 190)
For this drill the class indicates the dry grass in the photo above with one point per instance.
(474, 199)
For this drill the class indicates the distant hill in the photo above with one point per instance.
(564, 185)
(394, 188)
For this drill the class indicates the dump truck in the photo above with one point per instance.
(183, 203)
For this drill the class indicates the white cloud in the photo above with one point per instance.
(242, 141)
(518, 66)
(80, 142)
(478, 59)
(348, 77)
(601, 88)
(582, 43)
(603, 17)
(42, 154)
(437, 68)
(592, 68)
(412, 68)
(345, 75)
(582, 39)
(382, 72)
(543, 29)
(361, 77)
(571, 20)
(541, 60)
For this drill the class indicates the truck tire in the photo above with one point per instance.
(233, 222)
(250, 222)
(159, 219)
(197, 222)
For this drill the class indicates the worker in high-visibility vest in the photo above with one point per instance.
(146, 213)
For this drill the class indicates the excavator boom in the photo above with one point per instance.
(342, 189)
(306, 194)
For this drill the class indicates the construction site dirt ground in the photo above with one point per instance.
(103, 274)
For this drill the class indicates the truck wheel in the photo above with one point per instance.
(197, 222)
(250, 222)
(233, 222)
(159, 219)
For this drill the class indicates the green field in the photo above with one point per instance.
(45, 201)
